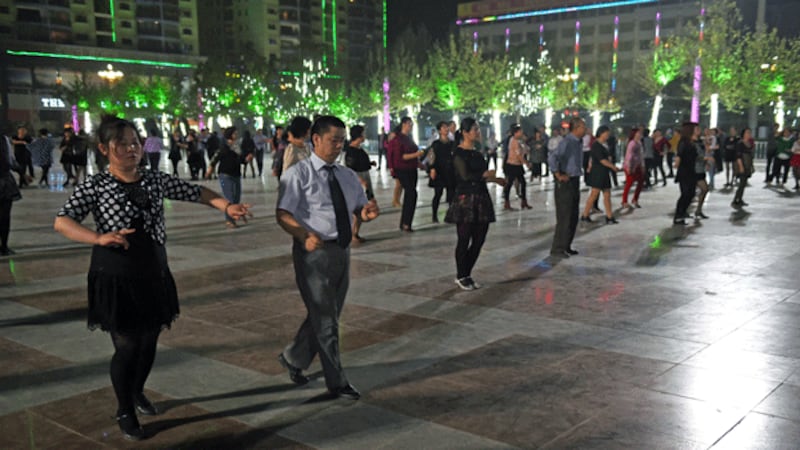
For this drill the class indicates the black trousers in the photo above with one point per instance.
(740, 189)
(471, 237)
(408, 179)
(5, 222)
(514, 173)
(567, 197)
(154, 158)
(779, 165)
(688, 186)
(770, 160)
(437, 197)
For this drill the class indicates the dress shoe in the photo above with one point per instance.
(5, 251)
(700, 215)
(586, 219)
(572, 251)
(611, 220)
(129, 425)
(559, 254)
(295, 374)
(475, 284)
(348, 392)
(144, 406)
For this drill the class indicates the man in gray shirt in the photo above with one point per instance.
(565, 163)
(316, 203)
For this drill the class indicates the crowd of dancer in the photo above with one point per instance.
(322, 204)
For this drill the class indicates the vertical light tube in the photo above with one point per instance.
(508, 38)
(475, 42)
(714, 113)
(200, 116)
(385, 40)
(498, 130)
(657, 40)
(698, 73)
(76, 125)
(387, 119)
(333, 33)
(780, 112)
(113, 21)
(548, 119)
(576, 70)
(87, 122)
(615, 56)
(541, 39)
(324, 30)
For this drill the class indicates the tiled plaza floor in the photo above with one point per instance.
(653, 337)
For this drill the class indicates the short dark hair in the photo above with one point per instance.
(111, 128)
(405, 120)
(467, 124)
(228, 133)
(356, 131)
(442, 124)
(299, 126)
(574, 122)
(324, 123)
(602, 129)
(43, 132)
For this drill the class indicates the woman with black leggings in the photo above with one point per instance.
(132, 294)
(687, 178)
(472, 209)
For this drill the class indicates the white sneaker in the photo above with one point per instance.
(464, 284)
(474, 283)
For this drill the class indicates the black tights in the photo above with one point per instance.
(466, 254)
(133, 358)
(5, 222)
(437, 197)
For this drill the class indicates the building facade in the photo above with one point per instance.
(341, 33)
(46, 45)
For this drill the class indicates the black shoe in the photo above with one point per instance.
(5, 251)
(144, 406)
(679, 222)
(129, 425)
(572, 251)
(611, 220)
(586, 219)
(295, 374)
(700, 215)
(559, 254)
(348, 392)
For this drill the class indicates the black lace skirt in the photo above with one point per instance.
(131, 290)
(471, 208)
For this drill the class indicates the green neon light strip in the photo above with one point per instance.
(113, 21)
(101, 59)
(333, 32)
(324, 29)
(384, 31)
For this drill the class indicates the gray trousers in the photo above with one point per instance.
(567, 197)
(322, 277)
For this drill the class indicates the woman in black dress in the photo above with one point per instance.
(599, 177)
(442, 176)
(472, 210)
(743, 166)
(132, 293)
(685, 160)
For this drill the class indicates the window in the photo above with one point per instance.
(645, 44)
(626, 46)
(28, 15)
(669, 23)
(4, 10)
(80, 18)
(187, 31)
(127, 41)
(124, 6)
(102, 24)
(187, 13)
(647, 25)
(626, 27)
(82, 37)
(271, 26)
(127, 24)
(587, 49)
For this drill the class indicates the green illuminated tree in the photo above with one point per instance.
(446, 63)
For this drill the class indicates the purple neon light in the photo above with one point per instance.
(76, 125)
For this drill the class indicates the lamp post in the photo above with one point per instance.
(110, 74)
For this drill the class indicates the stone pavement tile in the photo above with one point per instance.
(17, 360)
(515, 390)
(66, 300)
(715, 386)
(386, 322)
(640, 418)
(762, 432)
(206, 338)
(761, 338)
(27, 429)
(31, 268)
(365, 426)
(735, 360)
(783, 402)
(653, 347)
(181, 425)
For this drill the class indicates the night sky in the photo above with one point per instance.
(438, 16)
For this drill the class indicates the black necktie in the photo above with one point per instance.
(343, 230)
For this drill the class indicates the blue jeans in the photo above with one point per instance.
(231, 190)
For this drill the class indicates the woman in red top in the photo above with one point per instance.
(634, 168)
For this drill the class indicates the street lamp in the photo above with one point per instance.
(109, 74)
